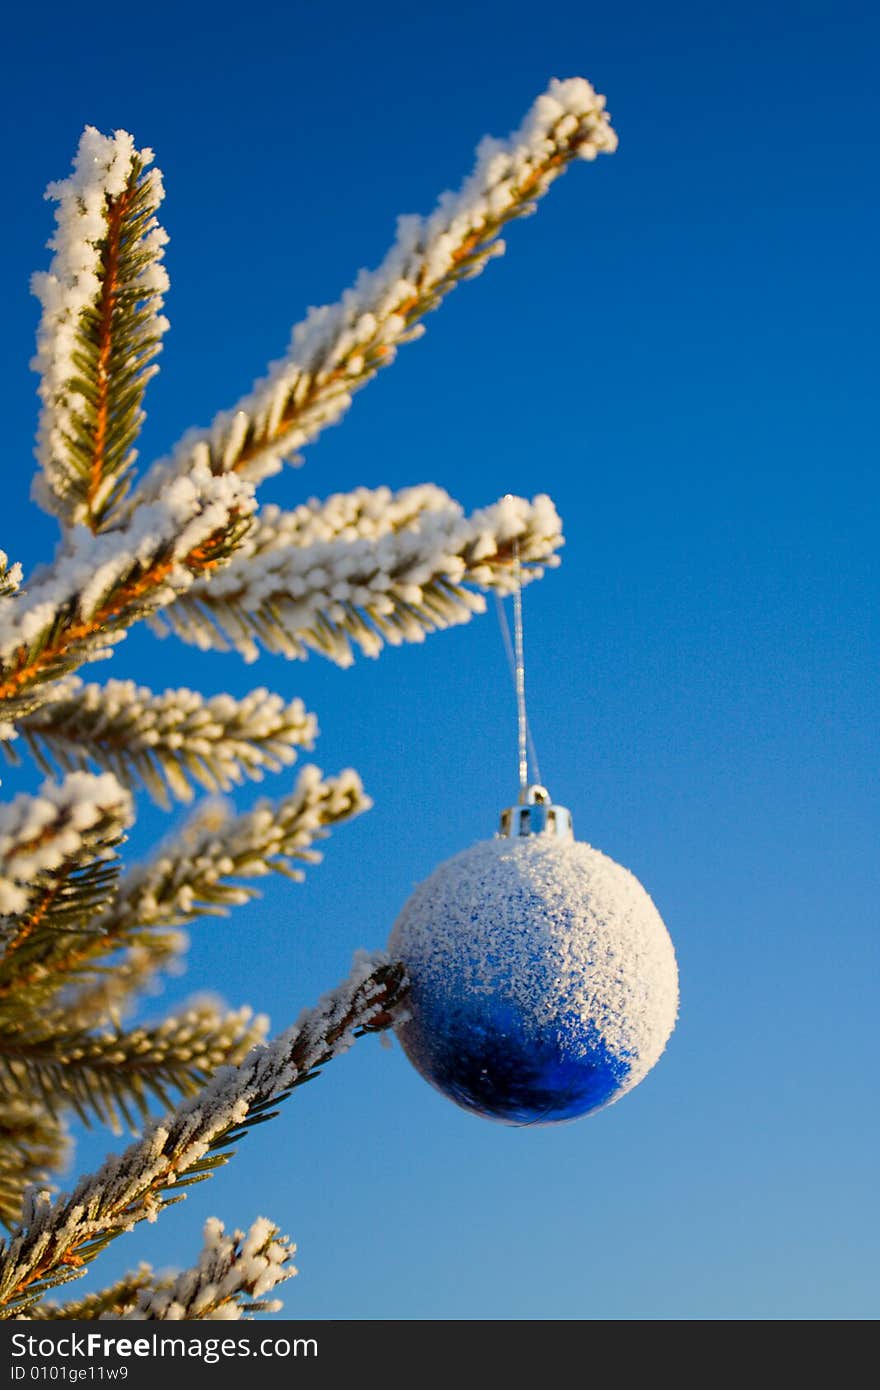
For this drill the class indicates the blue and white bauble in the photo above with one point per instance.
(543, 983)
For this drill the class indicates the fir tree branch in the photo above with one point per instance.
(198, 874)
(114, 1301)
(46, 841)
(232, 1277)
(57, 1238)
(90, 972)
(32, 1145)
(166, 742)
(95, 996)
(102, 584)
(101, 327)
(10, 576)
(201, 872)
(56, 922)
(58, 870)
(330, 595)
(364, 513)
(112, 1077)
(337, 349)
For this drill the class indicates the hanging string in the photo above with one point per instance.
(520, 677)
(516, 660)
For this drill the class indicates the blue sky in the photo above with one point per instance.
(676, 348)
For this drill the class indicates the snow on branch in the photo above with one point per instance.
(113, 1075)
(113, 1301)
(93, 975)
(232, 1277)
(45, 838)
(364, 590)
(102, 996)
(32, 1144)
(168, 741)
(101, 326)
(339, 348)
(201, 872)
(101, 584)
(10, 576)
(62, 1235)
(365, 513)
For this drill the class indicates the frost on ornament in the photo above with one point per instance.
(543, 983)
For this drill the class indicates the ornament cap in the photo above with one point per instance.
(536, 814)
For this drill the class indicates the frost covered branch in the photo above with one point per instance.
(166, 742)
(339, 348)
(232, 1277)
(59, 1237)
(58, 871)
(365, 513)
(101, 584)
(93, 998)
(101, 327)
(112, 1076)
(45, 839)
(366, 587)
(32, 1145)
(119, 1298)
(199, 873)
(10, 576)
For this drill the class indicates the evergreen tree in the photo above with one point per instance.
(187, 547)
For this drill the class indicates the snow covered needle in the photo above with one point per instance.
(101, 327)
(339, 348)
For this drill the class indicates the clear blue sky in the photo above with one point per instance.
(680, 349)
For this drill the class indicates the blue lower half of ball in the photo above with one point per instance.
(489, 1058)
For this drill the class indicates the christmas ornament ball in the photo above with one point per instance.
(543, 983)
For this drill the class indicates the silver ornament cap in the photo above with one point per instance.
(535, 814)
